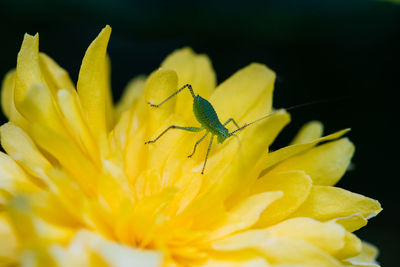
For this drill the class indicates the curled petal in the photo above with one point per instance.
(326, 203)
(250, 208)
(325, 164)
(308, 133)
(23, 150)
(93, 86)
(295, 185)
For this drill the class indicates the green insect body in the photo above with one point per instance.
(208, 118)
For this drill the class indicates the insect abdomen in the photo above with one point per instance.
(206, 115)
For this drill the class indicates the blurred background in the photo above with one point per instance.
(343, 51)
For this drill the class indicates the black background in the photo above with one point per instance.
(319, 49)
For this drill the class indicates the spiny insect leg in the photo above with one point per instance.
(190, 129)
(174, 94)
(231, 120)
(197, 143)
(208, 151)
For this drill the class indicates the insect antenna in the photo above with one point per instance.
(248, 124)
(287, 109)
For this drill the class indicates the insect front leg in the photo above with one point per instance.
(190, 129)
(197, 143)
(231, 120)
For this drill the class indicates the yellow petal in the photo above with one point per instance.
(242, 240)
(351, 248)
(192, 69)
(114, 254)
(119, 135)
(352, 223)
(325, 164)
(131, 93)
(148, 215)
(193, 215)
(188, 190)
(90, 249)
(355, 263)
(160, 85)
(64, 257)
(12, 178)
(283, 250)
(55, 76)
(367, 256)
(135, 151)
(39, 106)
(257, 262)
(28, 68)
(31, 228)
(50, 207)
(245, 214)
(255, 142)
(236, 259)
(7, 92)
(8, 243)
(329, 236)
(256, 139)
(70, 196)
(68, 156)
(113, 185)
(23, 150)
(93, 85)
(275, 157)
(236, 96)
(308, 133)
(7, 100)
(36, 256)
(72, 112)
(278, 249)
(4, 197)
(295, 185)
(326, 203)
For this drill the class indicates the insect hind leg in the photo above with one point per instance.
(190, 129)
(188, 86)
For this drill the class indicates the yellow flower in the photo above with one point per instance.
(78, 187)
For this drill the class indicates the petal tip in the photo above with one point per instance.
(261, 67)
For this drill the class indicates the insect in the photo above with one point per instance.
(208, 118)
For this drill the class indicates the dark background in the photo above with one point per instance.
(319, 49)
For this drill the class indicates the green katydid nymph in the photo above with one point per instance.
(208, 118)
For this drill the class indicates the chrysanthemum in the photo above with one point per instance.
(78, 187)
